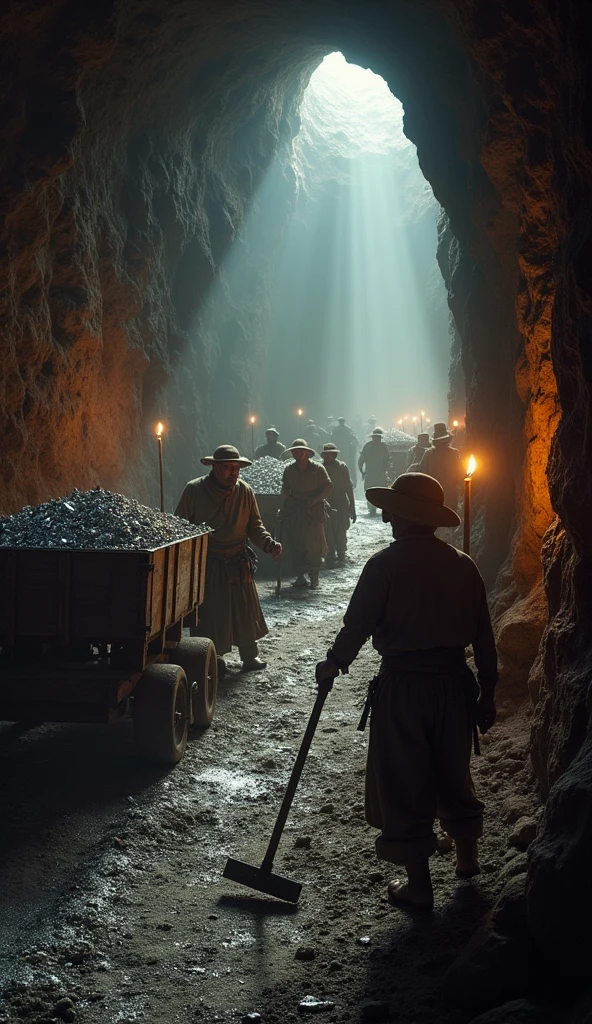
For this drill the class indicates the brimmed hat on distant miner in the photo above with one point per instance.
(377, 432)
(329, 449)
(440, 434)
(273, 431)
(415, 497)
(299, 445)
(225, 453)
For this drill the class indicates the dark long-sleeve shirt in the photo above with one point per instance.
(418, 594)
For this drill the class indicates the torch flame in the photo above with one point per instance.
(159, 430)
(299, 412)
(252, 419)
(472, 466)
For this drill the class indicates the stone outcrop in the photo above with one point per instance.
(135, 136)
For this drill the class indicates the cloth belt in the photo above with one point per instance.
(239, 562)
(435, 661)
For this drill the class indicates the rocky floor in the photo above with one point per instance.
(112, 904)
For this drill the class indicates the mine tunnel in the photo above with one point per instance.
(153, 174)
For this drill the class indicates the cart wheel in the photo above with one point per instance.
(161, 713)
(197, 658)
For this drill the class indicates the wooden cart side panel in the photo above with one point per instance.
(39, 595)
(169, 576)
(201, 559)
(156, 608)
(8, 576)
(184, 581)
(108, 594)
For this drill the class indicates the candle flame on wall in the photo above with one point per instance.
(159, 429)
(472, 466)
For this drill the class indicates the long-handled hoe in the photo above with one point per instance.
(263, 878)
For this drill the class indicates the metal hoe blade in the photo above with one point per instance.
(262, 880)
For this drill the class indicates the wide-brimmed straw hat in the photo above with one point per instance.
(225, 453)
(440, 433)
(330, 449)
(298, 445)
(272, 430)
(417, 497)
(377, 432)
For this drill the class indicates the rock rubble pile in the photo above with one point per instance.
(265, 475)
(94, 520)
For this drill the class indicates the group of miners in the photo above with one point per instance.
(421, 600)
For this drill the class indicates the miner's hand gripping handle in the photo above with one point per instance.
(324, 689)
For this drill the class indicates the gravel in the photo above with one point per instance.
(265, 475)
(398, 439)
(94, 520)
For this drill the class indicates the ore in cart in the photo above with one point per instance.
(89, 635)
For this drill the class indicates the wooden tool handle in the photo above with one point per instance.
(295, 777)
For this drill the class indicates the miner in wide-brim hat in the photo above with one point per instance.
(231, 614)
(305, 485)
(419, 449)
(442, 461)
(343, 505)
(343, 436)
(374, 463)
(423, 602)
(299, 445)
(273, 448)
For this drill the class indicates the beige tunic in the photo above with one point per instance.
(231, 613)
(341, 501)
(302, 525)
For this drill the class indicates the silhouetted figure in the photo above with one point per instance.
(374, 463)
(343, 505)
(304, 487)
(312, 436)
(272, 449)
(344, 438)
(422, 602)
(418, 451)
(443, 462)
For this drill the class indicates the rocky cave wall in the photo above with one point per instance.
(134, 136)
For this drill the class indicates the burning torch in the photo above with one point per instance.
(159, 431)
(467, 506)
(252, 421)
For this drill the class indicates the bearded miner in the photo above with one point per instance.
(422, 602)
(305, 486)
(230, 614)
(343, 505)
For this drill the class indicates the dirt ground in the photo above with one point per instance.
(112, 904)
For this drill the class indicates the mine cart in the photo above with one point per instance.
(398, 455)
(88, 635)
